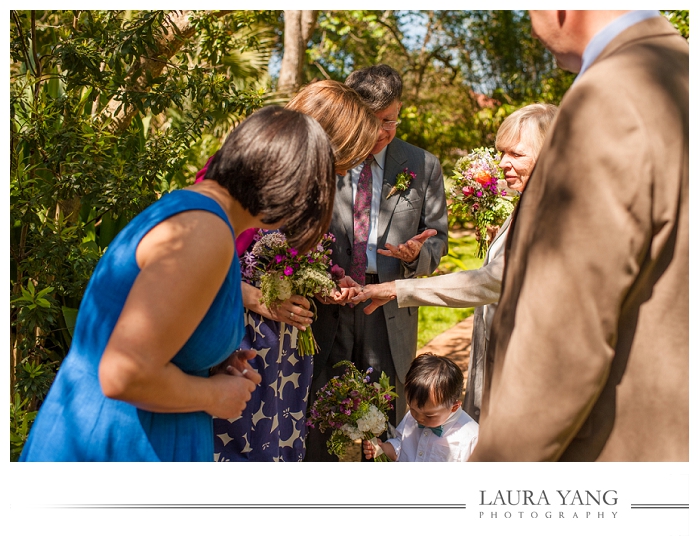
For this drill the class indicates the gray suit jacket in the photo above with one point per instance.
(589, 350)
(478, 288)
(402, 216)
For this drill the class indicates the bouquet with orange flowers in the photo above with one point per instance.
(478, 195)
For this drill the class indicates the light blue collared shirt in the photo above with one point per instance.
(377, 169)
(607, 34)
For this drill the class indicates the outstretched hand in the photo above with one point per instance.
(347, 289)
(410, 250)
(379, 295)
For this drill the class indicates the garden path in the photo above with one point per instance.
(454, 343)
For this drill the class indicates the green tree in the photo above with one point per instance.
(107, 112)
(679, 18)
(508, 63)
(463, 71)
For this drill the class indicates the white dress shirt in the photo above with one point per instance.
(377, 169)
(459, 438)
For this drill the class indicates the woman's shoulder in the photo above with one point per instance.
(198, 235)
(184, 201)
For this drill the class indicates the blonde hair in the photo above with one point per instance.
(351, 126)
(529, 124)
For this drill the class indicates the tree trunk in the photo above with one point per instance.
(298, 27)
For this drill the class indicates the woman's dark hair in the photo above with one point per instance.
(377, 85)
(436, 375)
(279, 164)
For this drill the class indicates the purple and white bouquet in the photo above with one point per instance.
(353, 407)
(478, 195)
(280, 271)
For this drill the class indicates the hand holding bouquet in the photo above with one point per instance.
(281, 271)
(478, 196)
(353, 407)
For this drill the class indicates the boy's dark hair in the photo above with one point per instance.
(433, 374)
(279, 164)
(377, 85)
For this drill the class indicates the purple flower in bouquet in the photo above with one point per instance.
(337, 272)
(248, 266)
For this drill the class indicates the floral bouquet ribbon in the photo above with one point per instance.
(478, 195)
(352, 407)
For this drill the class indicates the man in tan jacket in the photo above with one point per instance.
(589, 351)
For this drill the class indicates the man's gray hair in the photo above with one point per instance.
(378, 85)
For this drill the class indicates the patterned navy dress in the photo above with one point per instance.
(273, 424)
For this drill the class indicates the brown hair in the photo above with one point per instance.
(279, 164)
(530, 123)
(351, 126)
(436, 375)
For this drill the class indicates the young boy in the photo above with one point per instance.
(436, 429)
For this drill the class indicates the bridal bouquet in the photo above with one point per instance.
(353, 407)
(280, 271)
(478, 195)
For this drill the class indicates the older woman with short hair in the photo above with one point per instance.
(519, 139)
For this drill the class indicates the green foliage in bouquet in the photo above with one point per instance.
(353, 407)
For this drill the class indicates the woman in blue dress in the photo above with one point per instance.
(273, 424)
(164, 304)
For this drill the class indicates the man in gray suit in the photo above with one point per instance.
(405, 236)
(589, 351)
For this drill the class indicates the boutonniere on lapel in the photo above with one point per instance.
(402, 183)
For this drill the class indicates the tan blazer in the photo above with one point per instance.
(589, 353)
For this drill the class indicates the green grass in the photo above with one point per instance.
(433, 320)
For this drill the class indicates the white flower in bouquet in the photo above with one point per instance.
(310, 282)
(374, 420)
(270, 240)
(275, 289)
(352, 432)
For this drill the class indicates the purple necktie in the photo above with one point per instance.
(362, 217)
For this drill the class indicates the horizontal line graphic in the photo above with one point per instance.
(659, 506)
(258, 506)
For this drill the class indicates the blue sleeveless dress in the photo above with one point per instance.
(76, 421)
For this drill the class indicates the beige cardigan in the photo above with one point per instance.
(469, 288)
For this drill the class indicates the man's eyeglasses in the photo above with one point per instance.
(389, 125)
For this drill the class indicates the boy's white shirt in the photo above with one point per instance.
(459, 438)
